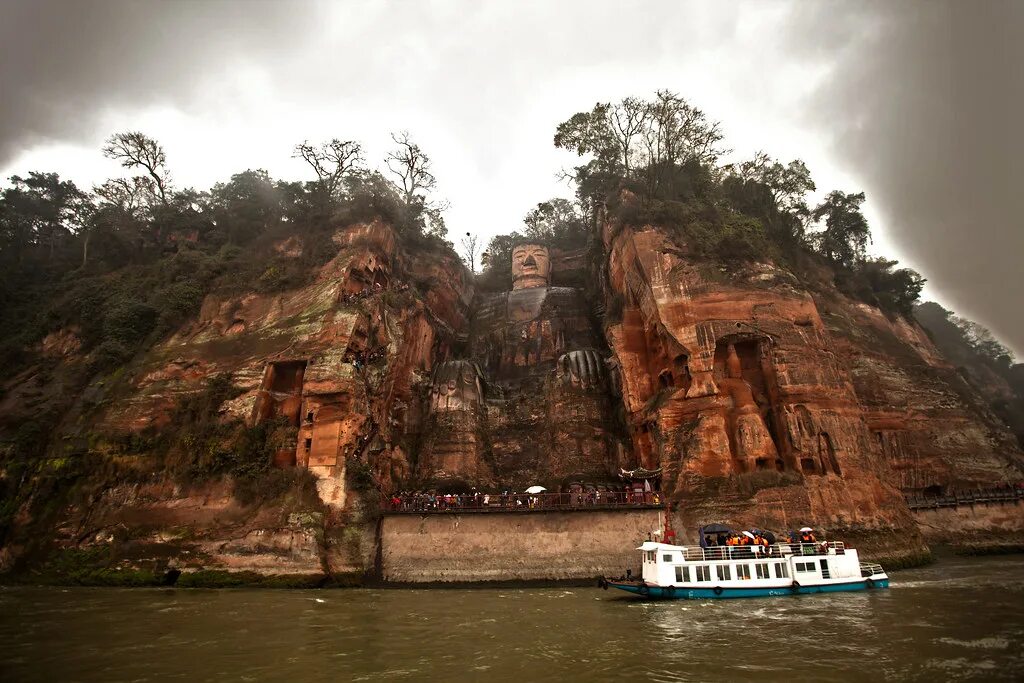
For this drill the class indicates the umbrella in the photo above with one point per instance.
(806, 528)
(748, 534)
(536, 489)
(769, 536)
(716, 529)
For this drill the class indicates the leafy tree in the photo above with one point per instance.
(846, 234)
(556, 222)
(40, 211)
(246, 206)
(643, 140)
(787, 185)
(984, 343)
(875, 281)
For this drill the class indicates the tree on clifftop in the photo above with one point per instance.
(136, 150)
(331, 161)
(643, 140)
(411, 165)
(846, 235)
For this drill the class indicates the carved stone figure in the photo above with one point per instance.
(531, 266)
(548, 415)
(751, 439)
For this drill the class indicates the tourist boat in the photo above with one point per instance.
(696, 573)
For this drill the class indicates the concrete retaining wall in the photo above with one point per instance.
(450, 548)
(966, 521)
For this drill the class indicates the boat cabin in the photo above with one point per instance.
(781, 565)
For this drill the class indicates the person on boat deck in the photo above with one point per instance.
(807, 537)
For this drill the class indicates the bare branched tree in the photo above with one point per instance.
(136, 150)
(411, 166)
(331, 161)
(628, 120)
(470, 248)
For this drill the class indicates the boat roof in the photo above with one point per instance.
(654, 545)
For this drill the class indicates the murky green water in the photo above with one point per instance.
(961, 619)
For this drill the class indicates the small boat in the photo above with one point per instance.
(751, 571)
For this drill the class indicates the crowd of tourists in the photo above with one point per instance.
(432, 501)
(360, 359)
(740, 542)
(367, 292)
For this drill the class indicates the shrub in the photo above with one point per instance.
(129, 321)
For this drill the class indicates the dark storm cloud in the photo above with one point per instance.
(926, 103)
(65, 62)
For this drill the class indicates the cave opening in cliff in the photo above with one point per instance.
(280, 393)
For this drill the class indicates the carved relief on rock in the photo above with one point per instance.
(583, 368)
(456, 385)
(750, 439)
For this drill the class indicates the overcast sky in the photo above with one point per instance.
(912, 102)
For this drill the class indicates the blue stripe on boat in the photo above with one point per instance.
(679, 593)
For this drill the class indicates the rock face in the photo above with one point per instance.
(736, 384)
(755, 401)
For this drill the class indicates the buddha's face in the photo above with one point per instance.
(531, 266)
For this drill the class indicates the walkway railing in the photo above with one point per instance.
(1000, 495)
(423, 503)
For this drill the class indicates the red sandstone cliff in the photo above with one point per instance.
(761, 402)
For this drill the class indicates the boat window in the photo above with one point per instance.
(650, 555)
(723, 573)
(682, 574)
(781, 570)
(805, 567)
(667, 558)
(762, 571)
(703, 572)
(743, 571)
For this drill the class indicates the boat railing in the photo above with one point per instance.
(760, 552)
(870, 569)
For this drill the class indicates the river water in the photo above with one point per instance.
(959, 619)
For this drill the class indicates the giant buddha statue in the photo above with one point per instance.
(547, 411)
(531, 266)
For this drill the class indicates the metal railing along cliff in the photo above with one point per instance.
(426, 503)
(957, 498)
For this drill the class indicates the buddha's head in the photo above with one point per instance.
(531, 266)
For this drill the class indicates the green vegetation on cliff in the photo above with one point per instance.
(91, 280)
